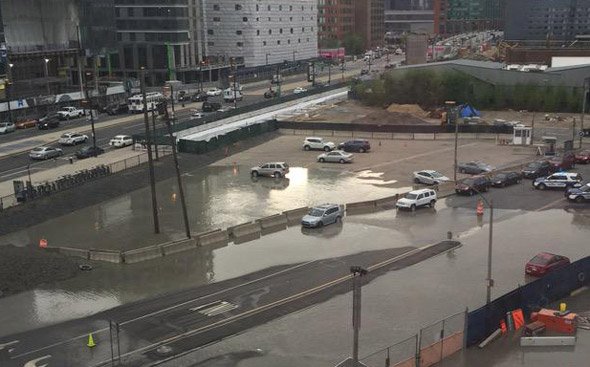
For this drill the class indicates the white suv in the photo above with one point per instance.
(318, 144)
(558, 180)
(417, 198)
(120, 141)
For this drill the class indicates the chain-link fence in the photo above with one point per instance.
(430, 346)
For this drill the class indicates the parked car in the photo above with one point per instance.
(25, 124)
(66, 113)
(299, 90)
(72, 139)
(430, 177)
(470, 186)
(213, 92)
(355, 145)
(120, 141)
(199, 97)
(321, 215)
(318, 144)
(578, 194)
(545, 262)
(117, 109)
(417, 198)
(583, 157)
(7, 127)
(270, 94)
(89, 151)
(41, 153)
(335, 156)
(272, 169)
(563, 162)
(504, 179)
(474, 167)
(210, 106)
(537, 169)
(558, 180)
(48, 122)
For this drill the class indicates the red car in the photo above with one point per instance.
(564, 162)
(544, 263)
(583, 157)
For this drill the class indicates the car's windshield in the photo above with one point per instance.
(65, 136)
(541, 259)
(435, 174)
(411, 196)
(37, 149)
(316, 212)
(533, 165)
(500, 176)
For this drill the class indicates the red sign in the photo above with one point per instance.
(332, 53)
(42, 243)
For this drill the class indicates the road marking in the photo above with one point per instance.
(6, 345)
(550, 205)
(33, 362)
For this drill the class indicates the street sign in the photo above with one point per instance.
(581, 134)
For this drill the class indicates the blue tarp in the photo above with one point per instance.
(469, 111)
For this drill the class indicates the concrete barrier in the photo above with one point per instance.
(274, 223)
(294, 215)
(362, 207)
(74, 252)
(142, 254)
(386, 202)
(174, 247)
(213, 238)
(106, 255)
(245, 229)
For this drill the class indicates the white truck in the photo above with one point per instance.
(66, 113)
(229, 94)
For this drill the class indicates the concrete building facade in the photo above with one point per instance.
(260, 32)
(540, 20)
(459, 16)
(409, 16)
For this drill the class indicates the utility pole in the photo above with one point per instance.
(585, 96)
(489, 279)
(573, 132)
(155, 137)
(329, 72)
(8, 97)
(178, 178)
(233, 77)
(450, 105)
(89, 104)
(172, 103)
(357, 273)
(279, 80)
(149, 152)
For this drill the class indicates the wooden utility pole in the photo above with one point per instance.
(149, 152)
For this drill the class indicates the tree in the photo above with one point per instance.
(353, 43)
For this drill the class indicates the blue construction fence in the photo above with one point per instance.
(530, 297)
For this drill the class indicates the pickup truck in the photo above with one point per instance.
(66, 113)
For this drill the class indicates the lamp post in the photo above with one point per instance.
(8, 96)
(357, 273)
(233, 79)
(47, 75)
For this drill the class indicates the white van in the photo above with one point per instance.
(229, 94)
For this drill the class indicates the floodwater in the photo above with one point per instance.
(217, 197)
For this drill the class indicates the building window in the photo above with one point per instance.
(258, 32)
(302, 29)
(291, 30)
(268, 7)
(289, 42)
(263, 43)
(269, 19)
(216, 7)
(298, 40)
(210, 32)
(216, 19)
(238, 32)
(290, 19)
(130, 12)
(270, 31)
(257, 7)
(280, 7)
(131, 36)
(312, 29)
(245, 19)
(240, 44)
(290, 7)
(210, 43)
(278, 42)
(281, 30)
(238, 7)
(117, 12)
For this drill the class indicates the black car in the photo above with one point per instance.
(472, 185)
(270, 94)
(199, 97)
(117, 109)
(504, 179)
(48, 122)
(211, 106)
(537, 169)
(88, 152)
(355, 145)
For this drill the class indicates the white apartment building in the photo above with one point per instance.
(260, 32)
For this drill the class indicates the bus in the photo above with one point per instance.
(136, 102)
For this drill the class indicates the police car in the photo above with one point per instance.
(579, 194)
(559, 180)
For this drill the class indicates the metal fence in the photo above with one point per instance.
(541, 292)
(428, 347)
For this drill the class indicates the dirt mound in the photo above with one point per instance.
(23, 268)
(411, 109)
(383, 117)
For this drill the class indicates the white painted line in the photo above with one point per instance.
(9, 344)
(33, 362)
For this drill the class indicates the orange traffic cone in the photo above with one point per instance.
(479, 209)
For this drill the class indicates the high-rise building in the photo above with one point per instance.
(409, 16)
(369, 22)
(335, 21)
(560, 20)
(260, 32)
(459, 16)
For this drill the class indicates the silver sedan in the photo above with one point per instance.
(45, 153)
(336, 156)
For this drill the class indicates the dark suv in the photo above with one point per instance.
(470, 186)
(211, 106)
(537, 169)
(48, 122)
(356, 145)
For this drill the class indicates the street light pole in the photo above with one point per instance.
(490, 281)
(233, 76)
(585, 96)
(357, 273)
(89, 104)
(47, 76)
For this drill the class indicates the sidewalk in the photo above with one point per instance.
(119, 159)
